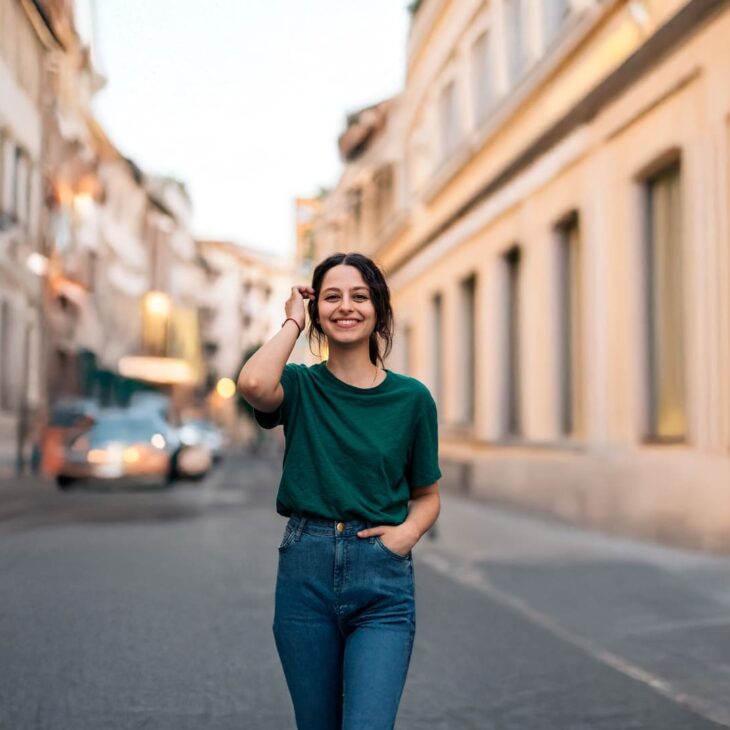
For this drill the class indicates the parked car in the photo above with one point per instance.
(119, 444)
(204, 433)
(193, 458)
(151, 401)
(68, 418)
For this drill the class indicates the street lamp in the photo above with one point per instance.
(37, 263)
(225, 388)
(157, 303)
(83, 206)
(156, 311)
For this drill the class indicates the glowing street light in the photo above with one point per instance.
(83, 205)
(37, 263)
(158, 303)
(225, 388)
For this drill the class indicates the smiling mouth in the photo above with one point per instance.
(347, 323)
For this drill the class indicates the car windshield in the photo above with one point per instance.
(126, 430)
(201, 425)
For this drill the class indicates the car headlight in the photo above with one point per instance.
(131, 455)
(189, 436)
(158, 441)
(97, 456)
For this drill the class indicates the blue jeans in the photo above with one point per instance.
(344, 625)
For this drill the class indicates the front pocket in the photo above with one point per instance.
(288, 537)
(386, 549)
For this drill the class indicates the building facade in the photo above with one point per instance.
(26, 41)
(100, 279)
(244, 307)
(558, 246)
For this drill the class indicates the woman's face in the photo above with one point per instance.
(346, 311)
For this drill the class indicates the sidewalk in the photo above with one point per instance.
(13, 486)
(660, 615)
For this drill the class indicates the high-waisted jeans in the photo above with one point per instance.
(344, 625)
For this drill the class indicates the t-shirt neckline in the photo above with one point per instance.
(329, 375)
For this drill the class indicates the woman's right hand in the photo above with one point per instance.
(294, 306)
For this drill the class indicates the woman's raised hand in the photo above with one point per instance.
(294, 306)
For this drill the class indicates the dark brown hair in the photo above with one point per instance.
(381, 338)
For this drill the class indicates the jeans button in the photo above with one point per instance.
(340, 527)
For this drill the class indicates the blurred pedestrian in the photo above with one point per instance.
(359, 486)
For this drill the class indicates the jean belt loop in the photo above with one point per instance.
(300, 527)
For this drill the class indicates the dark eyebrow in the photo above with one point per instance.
(354, 288)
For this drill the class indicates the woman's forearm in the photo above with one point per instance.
(423, 512)
(262, 372)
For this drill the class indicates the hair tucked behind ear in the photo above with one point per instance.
(381, 339)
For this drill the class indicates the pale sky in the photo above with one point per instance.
(244, 99)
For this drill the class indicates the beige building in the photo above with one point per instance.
(556, 181)
(176, 271)
(71, 216)
(123, 276)
(26, 40)
(244, 302)
(307, 211)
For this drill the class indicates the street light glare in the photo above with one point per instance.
(225, 388)
(37, 263)
(157, 303)
(84, 205)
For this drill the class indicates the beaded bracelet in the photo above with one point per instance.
(295, 322)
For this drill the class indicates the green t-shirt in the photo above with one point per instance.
(353, 453)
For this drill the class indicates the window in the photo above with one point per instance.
(512, 406)
(402, 344)
(14, 182)
(514, 40)
(467, 354)
(91, 271)
(7, 180)
(354, 200)
(448, 116)
(482, 84)
(28, 61)
(10, 17)
(3, 168)
(664, 306)
(437, 355)
(554, 15)
(33, 365)
(569, 306)
(21, 200)
(416, 164)
(5, 350)
(407, 349)
(383, 181)
(10, 348)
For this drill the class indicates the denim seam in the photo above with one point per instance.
(300, 527)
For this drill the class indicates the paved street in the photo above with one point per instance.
(152, 609)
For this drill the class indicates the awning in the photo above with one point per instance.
(160, 370)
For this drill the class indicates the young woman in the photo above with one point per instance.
(359, 486)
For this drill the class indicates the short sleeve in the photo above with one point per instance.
(423, 463)
(290, 383)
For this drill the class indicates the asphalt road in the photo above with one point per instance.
(152, 609)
